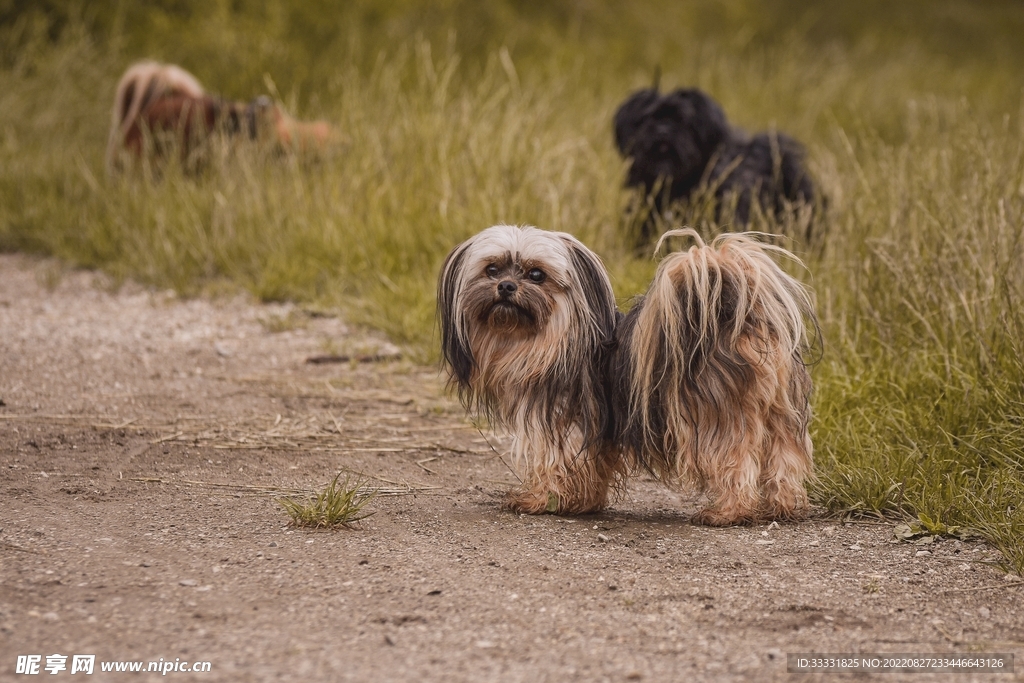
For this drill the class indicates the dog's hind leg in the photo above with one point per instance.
(788, 458)
(730, 469)
(788, 466)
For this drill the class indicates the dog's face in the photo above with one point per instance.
(512, 287)
(670, 137)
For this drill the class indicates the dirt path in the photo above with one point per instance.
(142, 438)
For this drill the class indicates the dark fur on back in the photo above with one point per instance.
(680, 141)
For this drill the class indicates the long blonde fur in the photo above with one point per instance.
(718, 391)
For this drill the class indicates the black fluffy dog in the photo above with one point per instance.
(679, 142)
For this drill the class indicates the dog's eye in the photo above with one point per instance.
(536, 275)
(491, 270)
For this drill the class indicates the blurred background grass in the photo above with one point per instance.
(464, 114)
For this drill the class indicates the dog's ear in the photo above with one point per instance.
(595, 286)
(454, 345)
(704, 116)
(630, 116)
(596, 325)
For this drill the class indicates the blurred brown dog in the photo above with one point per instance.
(160, 108)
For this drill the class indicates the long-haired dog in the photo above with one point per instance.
(680, 144)
(527, 321)
(702, 382)
(159, 107)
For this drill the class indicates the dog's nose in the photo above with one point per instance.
(507, 288)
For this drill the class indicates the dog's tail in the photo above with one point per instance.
(718, 321)
(142, 83)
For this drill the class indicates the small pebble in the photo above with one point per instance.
(188, 582)
(854, 547)
(923, 553)
(814, 544)
(602, 538)
(984, 612)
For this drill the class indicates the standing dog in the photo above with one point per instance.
(527, 323)
(158, 107)
(702, 382)
(680, 143)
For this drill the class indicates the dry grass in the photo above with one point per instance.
(340, 504)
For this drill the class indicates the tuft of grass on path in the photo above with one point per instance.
(340, 504)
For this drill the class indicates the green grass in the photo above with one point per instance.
(465, 114)
(339, 504)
